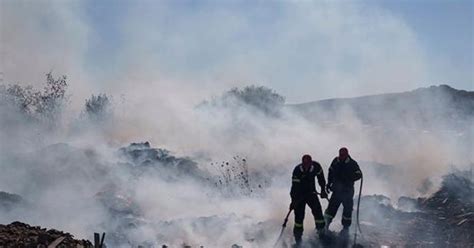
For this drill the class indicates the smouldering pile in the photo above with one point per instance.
(20, 235)
(453, 205)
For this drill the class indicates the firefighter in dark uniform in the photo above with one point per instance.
(343, 172)
(303, 191)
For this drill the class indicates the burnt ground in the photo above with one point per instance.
(21, 235)
(444, 219)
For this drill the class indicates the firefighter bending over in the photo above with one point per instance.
(343, 172)
(303, 191)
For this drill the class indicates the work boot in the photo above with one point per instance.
(344, 232)
(297, 242)
(328, 222)
(324, 236)
(321, 233)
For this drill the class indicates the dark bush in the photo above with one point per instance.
(98, 107)
(259, 98)
(43, 105)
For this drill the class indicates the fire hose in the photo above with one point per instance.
(357, 216)
(283, 227)
(286, 221)
(357, 213)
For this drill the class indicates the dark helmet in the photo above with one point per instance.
(343, 153)
(343, 150)
(306, 157)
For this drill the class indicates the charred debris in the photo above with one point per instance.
(444, 219)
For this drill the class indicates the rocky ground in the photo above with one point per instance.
(21, 235)
(444, 219)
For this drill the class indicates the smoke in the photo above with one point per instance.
(211, 47)
(74, 178)
(139, 194)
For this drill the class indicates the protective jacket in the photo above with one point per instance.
(303, 192)
(303, 182)
(344, 173)
(341, 178)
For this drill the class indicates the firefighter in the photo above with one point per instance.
(343, 172)
(303, 191)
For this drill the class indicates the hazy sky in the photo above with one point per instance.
(304, 50)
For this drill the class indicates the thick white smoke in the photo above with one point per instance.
(63, 171)
(75, 178)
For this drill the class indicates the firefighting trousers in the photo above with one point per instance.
(313, 202)
(344, 197)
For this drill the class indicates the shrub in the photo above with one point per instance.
(43, 105)
(98, 107)
(259, 98)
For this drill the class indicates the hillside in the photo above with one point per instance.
(433, 107)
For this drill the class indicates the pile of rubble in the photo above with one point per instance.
(453, 206)
(141, 158)
(445, 219)
(19, 235)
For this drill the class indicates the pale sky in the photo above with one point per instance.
(305, 50)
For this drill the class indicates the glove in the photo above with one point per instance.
(324, 194)
(328, 188)
(292, 205)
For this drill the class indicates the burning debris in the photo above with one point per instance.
(232, 177)
(453, 207)
(142, 158)
(407, 204)
(445, 219)
(20, 235)
(117, 202)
